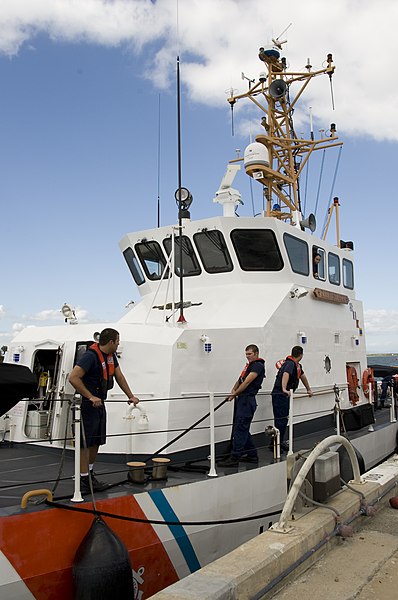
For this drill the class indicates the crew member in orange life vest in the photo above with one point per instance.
(287, 378)
(92, 377)
(244, 392)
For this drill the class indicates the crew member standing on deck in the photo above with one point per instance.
(92, 377)
(244, 393)
(287, 378)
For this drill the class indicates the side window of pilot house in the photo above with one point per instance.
(348, 274)
(134, 266)
(318, 263)
(334, 268)
(297, 251)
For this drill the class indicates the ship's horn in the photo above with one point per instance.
(277, 89)
(309, 223)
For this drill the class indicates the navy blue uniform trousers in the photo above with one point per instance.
(242, 442)
(280, 405)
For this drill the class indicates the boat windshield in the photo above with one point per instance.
(152, 258)
(213, 251)
(190, 264)
(257, 249)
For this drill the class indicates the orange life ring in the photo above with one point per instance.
(353, 385)
(367, 381)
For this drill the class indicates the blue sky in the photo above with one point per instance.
(81, 87)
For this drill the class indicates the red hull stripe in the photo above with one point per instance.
(41, 546)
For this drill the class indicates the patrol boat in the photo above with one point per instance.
(208, 289)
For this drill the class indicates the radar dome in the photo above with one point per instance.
(256, 154)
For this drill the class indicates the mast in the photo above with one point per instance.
(282, 155)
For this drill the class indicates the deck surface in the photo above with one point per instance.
(25, 467)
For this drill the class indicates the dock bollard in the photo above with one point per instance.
(159, 470)
(136, 472)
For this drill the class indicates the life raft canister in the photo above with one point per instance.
(353, 385)
(367, 381)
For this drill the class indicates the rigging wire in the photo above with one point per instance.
(307, 170)
(331, 190)
(320, 181)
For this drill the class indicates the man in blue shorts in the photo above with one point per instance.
(92, 377)
(244, 392)
(287, 378)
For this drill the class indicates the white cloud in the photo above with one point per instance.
(381, 321)
(48, 314)
(82, 315)
(2, 311)
(54, 314)
(17, 327)
(218, 39)
(5, 335)
(381, 328)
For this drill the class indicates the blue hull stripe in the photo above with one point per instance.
(178, 531)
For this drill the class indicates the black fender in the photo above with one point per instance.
(102, 568)
(346, 471)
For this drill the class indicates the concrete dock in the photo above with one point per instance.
(259, 568)
(364, 567)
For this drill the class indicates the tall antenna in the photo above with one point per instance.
(181, 318)
(279, 43)
(158, 206)
(330, 64)
(232, 101)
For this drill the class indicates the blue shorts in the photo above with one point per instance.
(94, 424)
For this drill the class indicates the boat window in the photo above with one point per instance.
(213, 251)
(257, 249)
(134, 266)
(152, 258)
(348, 274)
(297, 251)
(318, 263)
(190, 264)
(334, 268)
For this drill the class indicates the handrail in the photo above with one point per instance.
(43, 492)
(184, 395)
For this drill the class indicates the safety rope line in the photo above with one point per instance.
(159, 522)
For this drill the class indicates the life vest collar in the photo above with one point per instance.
(243, 374)
(107, 373)
(299, 368)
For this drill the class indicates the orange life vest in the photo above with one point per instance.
(108, 367)
(353, 385)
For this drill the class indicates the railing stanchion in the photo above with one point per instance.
(290, 422)
(212, 472)
(370, 428)
(393, 418)
(77, 496)
(337, 398)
